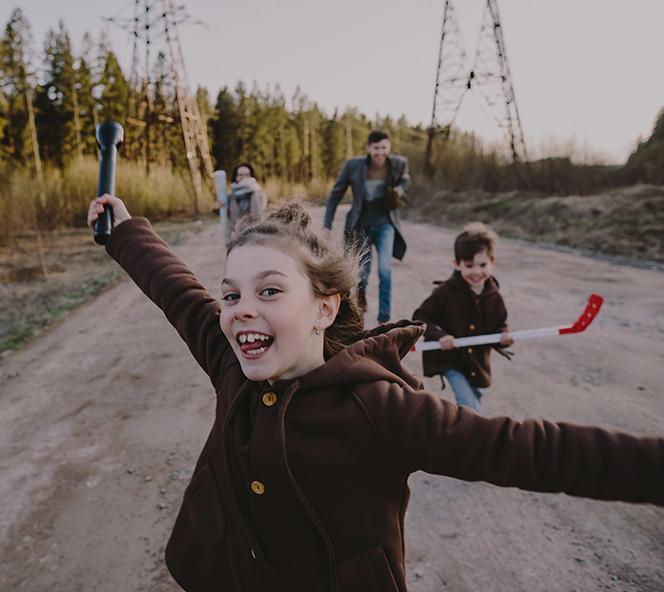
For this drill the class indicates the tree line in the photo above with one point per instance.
(51, 101)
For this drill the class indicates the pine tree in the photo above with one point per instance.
(223, 126)
(56, 100)
(85, 96)
(20, 135)
(113, 89)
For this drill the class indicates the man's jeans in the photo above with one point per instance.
(380, 236)
(464, 392)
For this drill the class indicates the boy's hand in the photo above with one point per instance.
(506, 339)
(447, 342)
(120, 212)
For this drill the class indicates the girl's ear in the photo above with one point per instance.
(328, 308)
(456, 264)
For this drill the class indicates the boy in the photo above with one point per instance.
(468, 303)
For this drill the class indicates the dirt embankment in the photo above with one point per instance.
(76, 270)
(627, 221)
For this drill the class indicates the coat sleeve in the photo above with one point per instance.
(431, 312)
(428, 433)
(337, 194)
(404, 180)
(172, 286)
(501, 326)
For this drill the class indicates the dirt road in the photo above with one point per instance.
(102, 418)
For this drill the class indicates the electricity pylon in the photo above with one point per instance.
(489, 75)
(154, 29)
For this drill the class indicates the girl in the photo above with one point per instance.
(302, 482)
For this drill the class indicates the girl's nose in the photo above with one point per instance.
(244, 309)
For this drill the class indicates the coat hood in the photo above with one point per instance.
(376, 355)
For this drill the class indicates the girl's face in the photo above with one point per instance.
(270, 314)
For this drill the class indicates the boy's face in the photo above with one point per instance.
(477, 271)
(268, 314)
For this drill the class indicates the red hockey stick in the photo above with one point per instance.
(581, 324)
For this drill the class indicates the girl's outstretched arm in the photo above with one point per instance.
(170, 284)
(430, 434)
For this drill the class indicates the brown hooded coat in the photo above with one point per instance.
(302, 485)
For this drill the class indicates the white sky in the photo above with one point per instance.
(587, 73)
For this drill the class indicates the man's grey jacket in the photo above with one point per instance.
(354, 173)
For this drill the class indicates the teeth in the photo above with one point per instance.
(251, 337)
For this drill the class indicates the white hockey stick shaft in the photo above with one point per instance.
(491, 338)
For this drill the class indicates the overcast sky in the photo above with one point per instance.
(586, 72)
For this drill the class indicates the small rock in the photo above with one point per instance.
(162, 506)
(130, 471)
(147, 478)
(641, 388)
(418, 574)
(580, 561)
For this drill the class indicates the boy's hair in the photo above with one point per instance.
(475, 238)
(331, 269)
(377, 136)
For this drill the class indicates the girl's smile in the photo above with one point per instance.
(270, 314)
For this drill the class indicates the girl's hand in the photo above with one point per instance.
(506, 339)
(446, 343)
(120, 212)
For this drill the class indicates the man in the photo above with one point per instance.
(377, 181)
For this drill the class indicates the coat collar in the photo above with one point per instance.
(458, 283)
(376, 355)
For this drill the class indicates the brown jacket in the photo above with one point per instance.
(302, 485)
(454, 309)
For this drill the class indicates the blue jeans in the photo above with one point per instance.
(381, 236)
(464, 392)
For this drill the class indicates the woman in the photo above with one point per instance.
(246, 197)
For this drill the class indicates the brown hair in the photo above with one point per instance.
(330, 269)
(475, 238)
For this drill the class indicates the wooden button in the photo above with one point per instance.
(257, 487)
(472, 374)
(470, 350)
(269, 399)
(472, 327)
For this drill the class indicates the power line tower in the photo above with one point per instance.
(154, 29)
(450, 83)
(489, 75)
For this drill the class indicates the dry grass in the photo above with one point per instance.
(626, 221)
(67, 193)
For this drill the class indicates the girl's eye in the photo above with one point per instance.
(230, 297)
(270, 291)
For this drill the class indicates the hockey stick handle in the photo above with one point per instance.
(492, 338)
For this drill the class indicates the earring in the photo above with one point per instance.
(317, 330)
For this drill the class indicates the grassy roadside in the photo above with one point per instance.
(77, 271)
(626, 222)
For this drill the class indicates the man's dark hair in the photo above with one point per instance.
(475, 238)
(377, 136)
